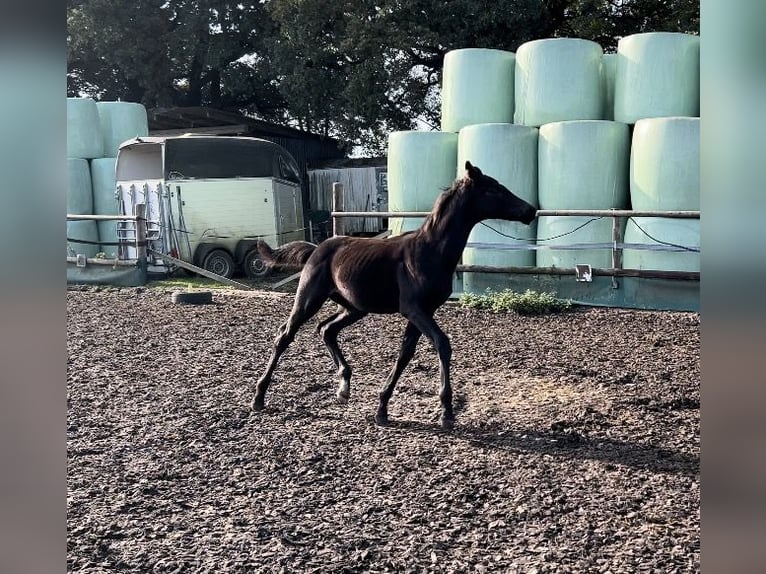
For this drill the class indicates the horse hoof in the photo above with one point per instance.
(381, 419)
(341, 398)
(448, 423)
(258, 404)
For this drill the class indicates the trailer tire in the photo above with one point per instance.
(192, 297)
(255, 266)
(219, 261)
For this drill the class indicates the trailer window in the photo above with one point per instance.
(143, 161)
(288, 170)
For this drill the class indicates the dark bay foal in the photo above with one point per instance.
(409, 274)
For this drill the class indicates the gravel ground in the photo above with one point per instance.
(576, 447)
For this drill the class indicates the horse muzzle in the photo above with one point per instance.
(529, 216)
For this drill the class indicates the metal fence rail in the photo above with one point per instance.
(139, 241)
(616, 247)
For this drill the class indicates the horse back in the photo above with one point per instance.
(376, 275)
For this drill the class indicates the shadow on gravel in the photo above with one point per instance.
(571, 445)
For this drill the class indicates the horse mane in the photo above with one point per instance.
(443, 205)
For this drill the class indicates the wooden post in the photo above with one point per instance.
(616, 252)
(141, 232)
(338, 224)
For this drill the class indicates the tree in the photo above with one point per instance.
(171, 52)
(351, 69)
(606, 21)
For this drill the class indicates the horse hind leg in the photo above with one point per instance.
(329, 332)
(308, 301)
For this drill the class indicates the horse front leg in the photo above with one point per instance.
(428, 326)
(406, 352)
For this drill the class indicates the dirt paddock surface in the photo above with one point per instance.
(576, 446)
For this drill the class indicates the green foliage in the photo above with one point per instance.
(188, 283)
(527, 303)
(171, 53)
(351, 69)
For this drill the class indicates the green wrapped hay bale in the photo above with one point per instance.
(559, 230)
(104, 203)
(477, 88)
(83, 129)
(658, 75)
(608, 76)
(79, 194)
(512, 254)
(558, 79)
(420, 166)
(679, 232)
(399, 225)
(508, 153)
(584, 165)
(85, 230)
(665, 164)
(121, 121)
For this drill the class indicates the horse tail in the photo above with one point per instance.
(291, 255)
(265, 251)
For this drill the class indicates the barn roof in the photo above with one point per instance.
(210, 121)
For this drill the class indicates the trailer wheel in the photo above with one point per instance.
(254, 265)
(219, 262)
(192, 297)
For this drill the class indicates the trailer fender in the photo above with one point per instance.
(202, 250)
(242, 248)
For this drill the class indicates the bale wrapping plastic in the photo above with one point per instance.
(608, 76)
(583, 165)
(477, 88)
(104, 203)
(83, 129)
(507, 153)
(79, 195)
(558, 79)
(593, 231)
(85, 230)
(665, 164)
(680, 232)
(121, 121)
(658, 75)
(420, 166)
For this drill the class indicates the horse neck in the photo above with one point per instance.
(445, 234)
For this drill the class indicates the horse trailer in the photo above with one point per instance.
(208, 200)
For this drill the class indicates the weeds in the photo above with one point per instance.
(527, 303)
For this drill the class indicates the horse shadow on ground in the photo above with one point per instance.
(566, 445)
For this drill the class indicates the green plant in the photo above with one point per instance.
(527, 303)
(188, 283)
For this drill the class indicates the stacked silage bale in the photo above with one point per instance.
(83, 143)
(478, 104)
(583, 165)
(664, 176)
(577, 105)
(94, 133)
(657, 89)
(120, 121)
(508, 153)
(420, 166)
(562, 88)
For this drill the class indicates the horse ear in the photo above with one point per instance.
(472, 172)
